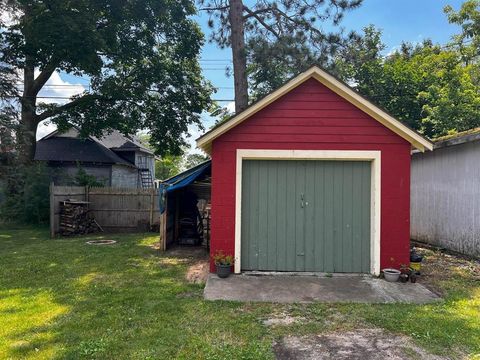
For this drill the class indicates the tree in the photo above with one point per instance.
(141, 57)
(168, 166)
(429, 87)
(468, 17)
(192, 160)
(277, 25)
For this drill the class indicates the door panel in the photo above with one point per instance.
(306, 216)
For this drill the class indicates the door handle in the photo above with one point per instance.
(302, 203)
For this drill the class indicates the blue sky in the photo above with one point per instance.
(400, 20)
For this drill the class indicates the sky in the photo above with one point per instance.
(400, 20)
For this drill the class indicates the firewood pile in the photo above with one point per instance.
(76, 219)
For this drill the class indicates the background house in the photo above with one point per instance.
(445, 194)
(115, 160)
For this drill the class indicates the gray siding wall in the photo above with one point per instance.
(445, 198)
(124, 176)
(68, 173)
(147, 161)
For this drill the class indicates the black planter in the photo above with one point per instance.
(223, 271)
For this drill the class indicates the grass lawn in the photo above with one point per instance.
(65, 299)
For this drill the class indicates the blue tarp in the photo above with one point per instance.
(181, 180)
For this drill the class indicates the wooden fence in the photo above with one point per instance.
(114, 209)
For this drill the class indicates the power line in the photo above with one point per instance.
(68, 98)
(76, 86)
(216, 60)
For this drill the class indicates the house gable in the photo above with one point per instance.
(330, 98)
(310, 114)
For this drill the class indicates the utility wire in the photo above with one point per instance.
(68, 98)
(77, 85)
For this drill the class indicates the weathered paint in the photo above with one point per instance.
(124, 176)
(306, 215)
(445, 198)
(312, 117)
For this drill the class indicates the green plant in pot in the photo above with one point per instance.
(404, 273)
(223, 264)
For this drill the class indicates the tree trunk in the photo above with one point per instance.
(239, 55)
(27, 129)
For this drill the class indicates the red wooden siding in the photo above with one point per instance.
(312, 117)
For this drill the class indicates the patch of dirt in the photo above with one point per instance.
(373, 344)
(195, 257)
(438, 266)
(283, 320)
(188, 252)
(198, 272)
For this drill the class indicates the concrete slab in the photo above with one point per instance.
(305, 289)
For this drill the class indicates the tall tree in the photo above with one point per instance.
(468, 17)
(427, 86)
(278, 24)
(141, 57)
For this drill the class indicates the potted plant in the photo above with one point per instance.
(404, 273)
(413, 276)
(223, 264)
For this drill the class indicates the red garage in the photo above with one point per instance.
(312, 178)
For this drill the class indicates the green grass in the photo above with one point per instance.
(65, 299)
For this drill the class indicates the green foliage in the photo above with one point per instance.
(428, 87)
(192, 160)
(271, 63)
(168, 166)
(433, 89)
(82, 178)
(25, 192)
(278, 36)
(141, 57)
(468, 17)
(220, 258)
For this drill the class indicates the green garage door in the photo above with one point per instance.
(306, 216)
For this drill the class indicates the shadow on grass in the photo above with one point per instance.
(64, 299)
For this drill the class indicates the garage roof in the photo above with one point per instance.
(337, 86)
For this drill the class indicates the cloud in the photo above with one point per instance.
(55, 91)
(231, 106)
(9, 17)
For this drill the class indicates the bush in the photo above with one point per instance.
(25, 193)
(82, 178)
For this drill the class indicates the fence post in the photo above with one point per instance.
(152, 204)
(52, 210)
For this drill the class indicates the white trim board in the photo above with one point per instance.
(418, 141)
(334, 155)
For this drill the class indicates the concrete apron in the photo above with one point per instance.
(282, 288)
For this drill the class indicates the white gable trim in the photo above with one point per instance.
(418, 141)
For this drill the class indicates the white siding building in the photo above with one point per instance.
(445, 194)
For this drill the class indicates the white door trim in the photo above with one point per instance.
(339, 155)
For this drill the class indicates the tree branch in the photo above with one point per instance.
(59, 109)
(215, 8)
(261, 21)
(252, 13)
(42, 78)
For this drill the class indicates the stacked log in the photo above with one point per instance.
(76, 219)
